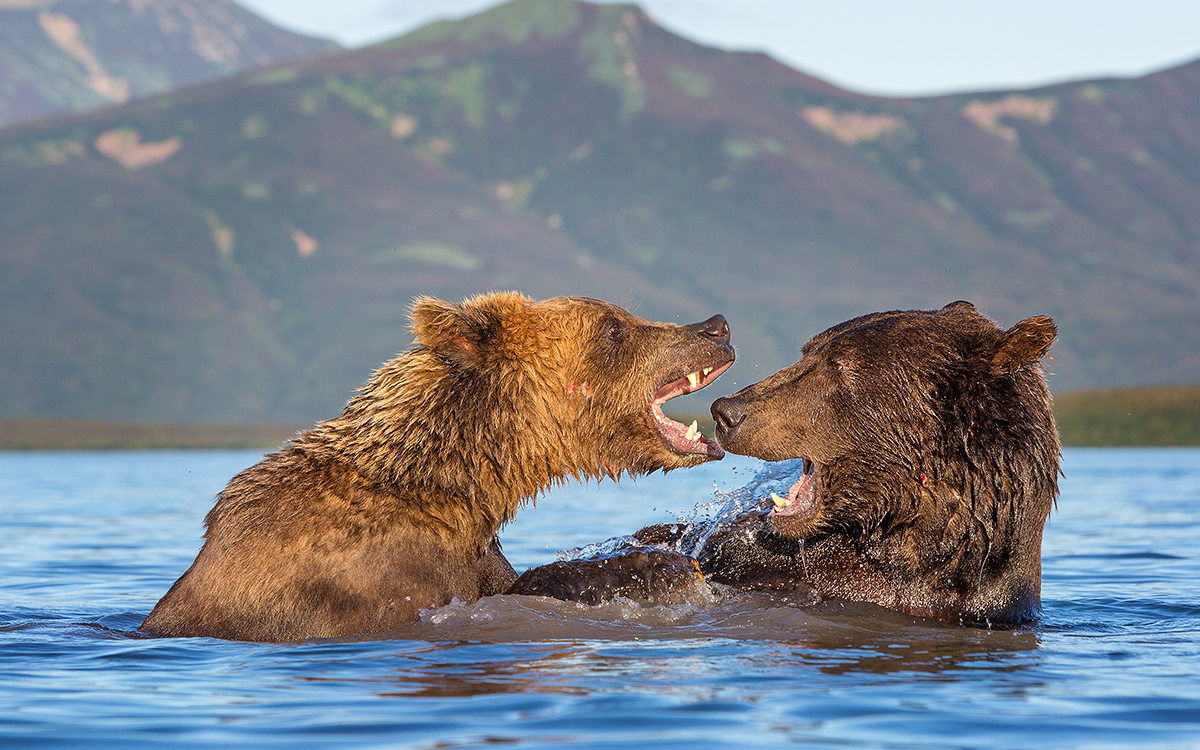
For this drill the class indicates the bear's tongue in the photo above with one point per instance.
(801, 499)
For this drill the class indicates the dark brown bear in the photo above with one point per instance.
(931, 465)
(357, 524)
(931, 462)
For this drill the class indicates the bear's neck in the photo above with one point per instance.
(966, 545)
(459, 454)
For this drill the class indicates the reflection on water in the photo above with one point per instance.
(835, 638)
(90, 541)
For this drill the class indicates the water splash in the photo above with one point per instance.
(727, 507)
(708, 518)
(611, 546)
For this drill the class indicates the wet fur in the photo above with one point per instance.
(939, 465)
(356, 525)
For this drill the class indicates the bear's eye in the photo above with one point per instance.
(614, 330)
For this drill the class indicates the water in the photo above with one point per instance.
(89, 541)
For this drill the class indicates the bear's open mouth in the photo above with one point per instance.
(686, 439)
(801, 500)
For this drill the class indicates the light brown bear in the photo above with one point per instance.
(354, 526)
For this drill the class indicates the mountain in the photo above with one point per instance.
(245, 249)
(64, 55)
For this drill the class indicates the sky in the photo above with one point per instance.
(884, 47)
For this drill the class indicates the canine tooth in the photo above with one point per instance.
(780, 502)
(694, 378)
(691, 431)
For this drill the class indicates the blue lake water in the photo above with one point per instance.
(89, 541)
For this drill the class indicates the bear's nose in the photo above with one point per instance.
(729, 413)
(715, 329)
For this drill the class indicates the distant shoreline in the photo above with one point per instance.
(1145, 416)
(1151, 416)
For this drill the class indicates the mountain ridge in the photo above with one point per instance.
(63, 55)
(561, 147)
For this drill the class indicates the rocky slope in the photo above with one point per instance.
(65, 55)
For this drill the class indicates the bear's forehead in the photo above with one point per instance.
(905, 335)
(583, 305)
(583, 310)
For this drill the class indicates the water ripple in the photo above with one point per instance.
(91, 540)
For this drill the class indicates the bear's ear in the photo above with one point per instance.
(450, 329)
(1024, 344)
(961, 304)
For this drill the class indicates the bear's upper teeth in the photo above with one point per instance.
(706, 371)
(691, 431)
(780, 502)
(693, 378)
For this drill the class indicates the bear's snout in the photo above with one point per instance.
(729, 413)
(715, 329)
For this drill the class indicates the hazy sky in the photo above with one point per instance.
(874, 46)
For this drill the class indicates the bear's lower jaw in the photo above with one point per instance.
(796, 514)
(686, 440)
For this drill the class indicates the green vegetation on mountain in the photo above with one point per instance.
(245, 250)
